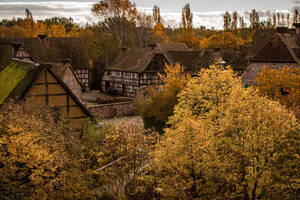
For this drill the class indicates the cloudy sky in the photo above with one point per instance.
(206, 12)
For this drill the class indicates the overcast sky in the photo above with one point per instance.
(206, 12)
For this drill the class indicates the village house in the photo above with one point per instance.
(138, 68)
(273, 48)
(49, 50)
(41, 86)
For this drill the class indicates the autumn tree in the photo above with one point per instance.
(234, 22)
(227, 21)
(187, 33)
(157, 105)
(156, 15)
(116, 16)
(123, 158)
(254, 19)
(295, 16)
(274, 20)
(282, 85)
(242, 23)
(224, 142)
(39, 157)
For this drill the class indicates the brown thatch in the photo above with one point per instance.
(52, 50)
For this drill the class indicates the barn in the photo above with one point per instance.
(39, 86)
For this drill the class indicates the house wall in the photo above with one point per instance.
(254, 68)
(46, 91)
(127, 83)
(70, 80)
(83, 77)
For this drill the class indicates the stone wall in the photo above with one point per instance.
(108, 111)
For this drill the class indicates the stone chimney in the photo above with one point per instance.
(297, 26)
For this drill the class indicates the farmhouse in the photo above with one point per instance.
(137, 68)
(40, 85)
(273, 48)
(49, 50)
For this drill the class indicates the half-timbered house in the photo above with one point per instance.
(52, 50)
(273, 48)
(38, 85)
(138, 68)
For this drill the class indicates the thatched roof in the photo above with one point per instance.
(53, 50)
(17, 78)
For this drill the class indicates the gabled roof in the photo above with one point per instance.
(281, 45)
(53, 50)
(278, 49)
(17, 78)
(137, 59)
(259, 40)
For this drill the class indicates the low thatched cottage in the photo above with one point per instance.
(50, 50)
(273, 48)
(138, 68)
(40, 86)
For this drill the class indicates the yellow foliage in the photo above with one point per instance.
(224, 40)
(158, 104)
(282, 85)
(35, 163)
(227, 142)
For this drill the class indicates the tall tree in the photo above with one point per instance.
(187, 20)
(278, 19)
(295, 16)
(234, 20)
(242, 23)
(156, 15)
(288, 20)
(116, 16)
(227, 21)
(254, 19)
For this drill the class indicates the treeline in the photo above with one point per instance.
(122, 25)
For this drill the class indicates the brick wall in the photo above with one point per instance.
(108, 111)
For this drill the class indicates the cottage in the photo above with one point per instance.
(40, 86)
(273, 48)
(138, 68)
(50, 50)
